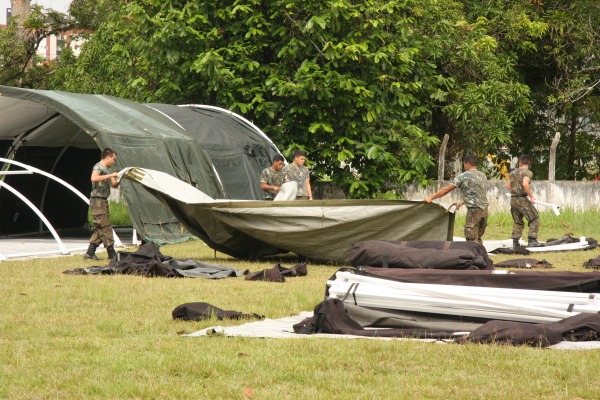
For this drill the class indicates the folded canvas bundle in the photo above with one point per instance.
(201, 311)
(428, 254)
(578, 328)
(524, 263)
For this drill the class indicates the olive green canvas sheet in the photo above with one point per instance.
(320, 229)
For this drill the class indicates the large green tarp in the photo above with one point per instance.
(63, 134)
(321, 230)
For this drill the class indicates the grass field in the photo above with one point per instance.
(112, 337)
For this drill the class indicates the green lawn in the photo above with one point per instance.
(112, 337)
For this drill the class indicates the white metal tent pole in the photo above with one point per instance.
(504, 314)
(46, 174)
(450, 294)
(543, 299)
(57, 179)
(16, 172)
(441, 306)
(375, 292)
(61, 245)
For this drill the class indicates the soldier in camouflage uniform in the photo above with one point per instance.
(297, 172)
(271, 178)
(472, 184)
(521, 206)
(102, 180)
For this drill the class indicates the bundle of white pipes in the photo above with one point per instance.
(520, 305)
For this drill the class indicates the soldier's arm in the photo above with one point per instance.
(96, 177)
(113, 180)
(265, 186)
(308, 188)
(440, 193)
(527, 187)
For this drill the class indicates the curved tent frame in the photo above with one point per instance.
(28, 169)
(63, 249)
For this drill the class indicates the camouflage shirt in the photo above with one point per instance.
(300, 174)
(102, 188)
(271, 178)
(472, 184)
(516, 181)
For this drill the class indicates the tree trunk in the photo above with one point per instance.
(20, 9)
(552, 161)
(574, 119)
(442, 158)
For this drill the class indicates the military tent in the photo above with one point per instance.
(62, 133)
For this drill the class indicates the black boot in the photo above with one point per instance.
(91, 253)
(112, 254)
(516, 243)
(534, 243)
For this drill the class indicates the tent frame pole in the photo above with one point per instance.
(62, 182)
(61, 245)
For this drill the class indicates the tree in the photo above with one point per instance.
(360, 85)
(29, 25)
(555, 43)
(90, 14)
(572, 46)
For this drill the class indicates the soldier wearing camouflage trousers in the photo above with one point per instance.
(102, 180)
(522, 203)
(472, 184)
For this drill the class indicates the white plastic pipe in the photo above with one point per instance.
(555, 208)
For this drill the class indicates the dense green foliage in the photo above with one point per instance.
(556, 44)
(367, 88)
(91, 13)
(357, 85)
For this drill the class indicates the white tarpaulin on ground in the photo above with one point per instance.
(283, 329)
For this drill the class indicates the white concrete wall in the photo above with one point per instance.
(577, 196)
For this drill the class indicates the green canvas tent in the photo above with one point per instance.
(62, 133)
